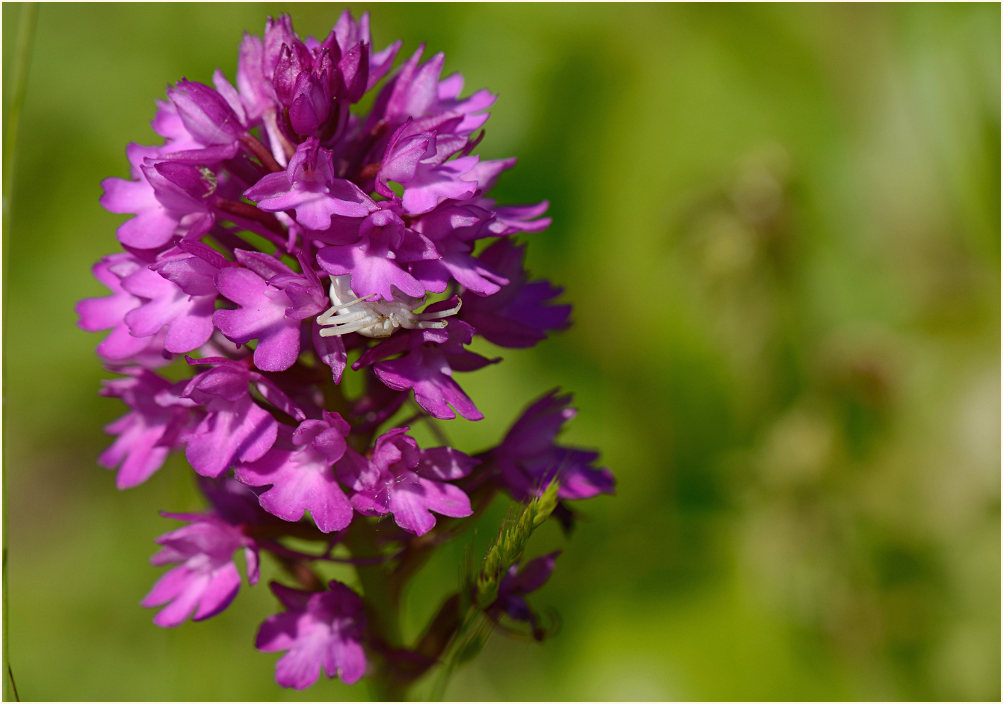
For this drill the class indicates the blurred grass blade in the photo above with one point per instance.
(12, 118)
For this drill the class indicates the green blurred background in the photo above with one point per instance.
(779, 226)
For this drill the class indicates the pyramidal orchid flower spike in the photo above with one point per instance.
(281, 241)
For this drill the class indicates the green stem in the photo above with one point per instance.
(19, 70)
(22, 58)
(382, 610)
(375, 581)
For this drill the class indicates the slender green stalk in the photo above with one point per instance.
(381, 609)
(19, 80)
(12, 119)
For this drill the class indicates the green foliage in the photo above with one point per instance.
(510, 542)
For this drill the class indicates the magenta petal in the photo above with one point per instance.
(242, 286)
(349, 663)
(149, 229)
(429, 378)
(137, 447)
(262, 315)
(278, 348)
(371, 272)
(169, 586)
(407, 503)
(244, 432)
(535, 573)
(331, 351)
(445, 499)
(123, 196)
(299, 484)
(191, 331)
(300, 667)
(303, 479)
(178, 610)
(445, 463)
(270, 186)
(320, 630)
(277, 632)
(217, 594)
(412, 500)
(253, 571)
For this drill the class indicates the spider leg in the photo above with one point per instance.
(423, 324)
(344, 328)
(352, 302)
(429, 321)
(335, 316)
(442, 313)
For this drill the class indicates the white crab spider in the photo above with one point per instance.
(350, 313)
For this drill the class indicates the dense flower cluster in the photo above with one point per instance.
(277, 240)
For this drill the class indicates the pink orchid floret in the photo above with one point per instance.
(206, 115)
(520, 581)
(205, 579)
(377, 262)
(528, 459)
(309, 187)
(320, 631)
(410, 483)
(186, 319)
(234, 427)
(146, 434)
(272, 301)
(302, 472)
(108, 312)
(427, 365)
(521, 312)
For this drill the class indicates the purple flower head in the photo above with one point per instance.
(205, 579)
(320, 630)
(528, 459)
(307, 275)
(410, 483)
